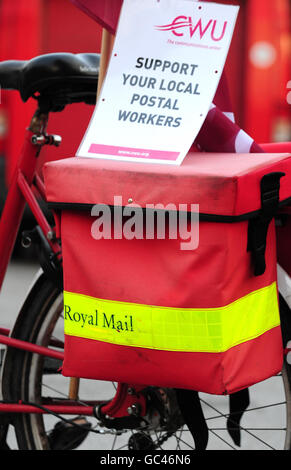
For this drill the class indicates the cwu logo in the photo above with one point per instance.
(182, 25)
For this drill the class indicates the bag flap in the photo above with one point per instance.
(222, 184)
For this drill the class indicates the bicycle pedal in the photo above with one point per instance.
(68, 436)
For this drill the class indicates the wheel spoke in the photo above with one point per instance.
(241, 427)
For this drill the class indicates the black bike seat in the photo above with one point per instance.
(57, 72)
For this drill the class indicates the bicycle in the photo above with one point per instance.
(170, 418)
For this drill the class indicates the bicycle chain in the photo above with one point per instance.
(164, 439)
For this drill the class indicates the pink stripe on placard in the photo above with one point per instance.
(133, 152)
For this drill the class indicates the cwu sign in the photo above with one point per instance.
(183, 25)
(162, 77)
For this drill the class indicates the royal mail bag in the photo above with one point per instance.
(170, 271)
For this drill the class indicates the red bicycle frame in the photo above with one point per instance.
(24, 185)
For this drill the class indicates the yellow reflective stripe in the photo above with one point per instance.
(172, 329)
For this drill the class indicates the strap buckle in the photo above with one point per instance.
(258, 227)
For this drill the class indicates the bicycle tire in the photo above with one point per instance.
(18, 363)
(22, 372)
(23, 376)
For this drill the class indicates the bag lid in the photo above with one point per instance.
(227, 185)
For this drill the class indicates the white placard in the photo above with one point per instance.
(165, 67)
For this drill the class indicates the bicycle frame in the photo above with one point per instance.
(22, 190)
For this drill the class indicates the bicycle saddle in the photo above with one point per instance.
(73, 76)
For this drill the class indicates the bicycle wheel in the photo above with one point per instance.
(31, 378)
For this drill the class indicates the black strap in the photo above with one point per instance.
(238, 403)
(191, 410)
(258, 227)
(190, 407)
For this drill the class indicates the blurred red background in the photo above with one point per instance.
(258, 69)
